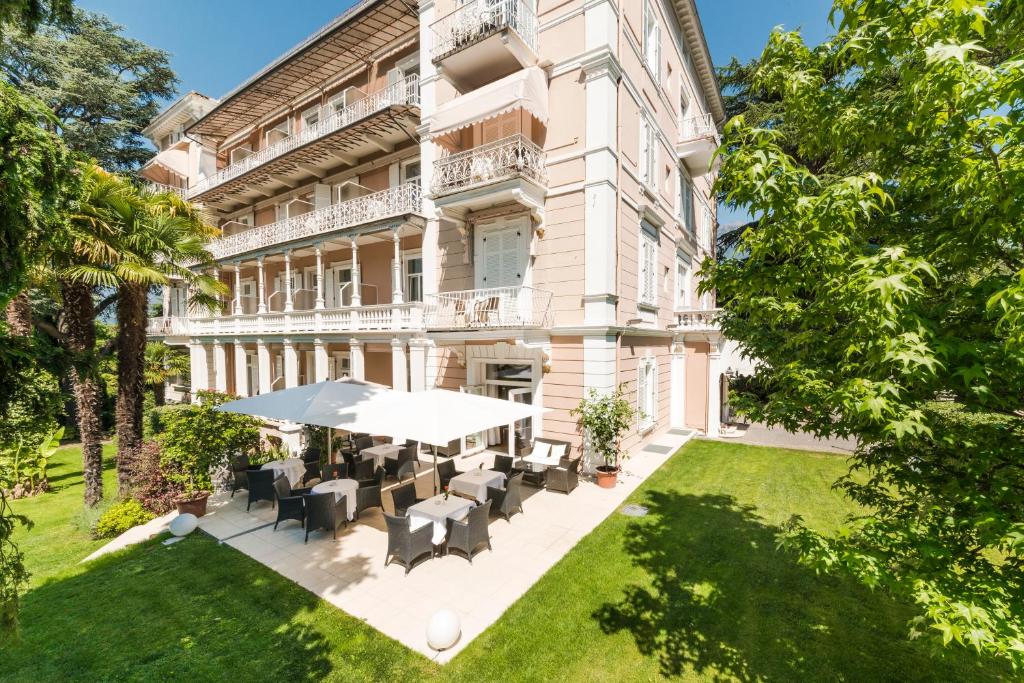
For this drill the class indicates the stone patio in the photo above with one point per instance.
(350, 573)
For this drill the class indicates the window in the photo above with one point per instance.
(647, 291)
(685, 201)
(413, 266)
(648, 152)
(647, 392)
(411, 172)
(276, 134)
(706, 228)
(652, 41)
(684, 102)
(684, 281)
(310, 117)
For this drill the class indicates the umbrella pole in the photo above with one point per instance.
(330, 451)
(436, 481)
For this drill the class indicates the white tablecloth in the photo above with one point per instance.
(292, 468)
(378, 453)
(437, 510)
(475, 482)
(341, 487)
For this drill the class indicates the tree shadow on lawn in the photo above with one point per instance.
(722, 601)
(193, 610)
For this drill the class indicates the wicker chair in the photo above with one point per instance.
(564, 478)
(509, 500)
(334, 471)
(363, 469)
(261, 486)
(376, 479)
(453, 448)
(407, 471)
(405, 546)
(446, 472)
(468, 535)
(239, 465)
(406, 454)
(311, 456)
(403, 497)
(289, 502)
(503, 463)
(324, 511)
(368, 497)
(362, 443)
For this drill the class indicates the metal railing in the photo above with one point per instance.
(509, 157)
(489, 308)
(478, 19)
(404, 92)
(697, 320)
(394, 201)
(695, 127)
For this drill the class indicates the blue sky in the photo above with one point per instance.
(215, 45)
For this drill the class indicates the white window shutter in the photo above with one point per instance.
(641, 391)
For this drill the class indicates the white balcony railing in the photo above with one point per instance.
(160, 187)
(509, 157)
(395, 201)
(697, 320)
(489, 308)
(383, 317)
(696, 127)
(478, 19)
(404, 92)
(171, 326)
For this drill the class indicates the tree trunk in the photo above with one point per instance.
(19, 315)
(80, 339)
(131, 386)
(159, 394)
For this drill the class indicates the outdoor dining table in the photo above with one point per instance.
(292, 468)
(341, 487)
(475, 482)
(437, 511)
(379, 453)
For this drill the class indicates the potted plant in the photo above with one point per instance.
(198, 439)
(603, 419)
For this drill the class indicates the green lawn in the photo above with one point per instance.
(694, 591)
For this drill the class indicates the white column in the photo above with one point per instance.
(399, 366)
(356, 360)
(396, 272)
(319, 277)
(288, 281)
(241, 372)
(237, 308)
(417, 364)
(320, 361)
(291, 365)
(219, 307)
(200, 370)
(677, 397)
(220, 366)
(357, 295)
(715, 389)
(262, 286)
(265, 368)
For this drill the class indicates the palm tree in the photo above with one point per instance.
(163, 363)
(168, 235)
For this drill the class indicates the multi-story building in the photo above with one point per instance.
(509, 197)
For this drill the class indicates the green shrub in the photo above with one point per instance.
(196, 438)
(121, 517)
(156, 418)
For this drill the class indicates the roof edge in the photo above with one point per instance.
(686, 11)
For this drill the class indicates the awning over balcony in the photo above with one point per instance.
(526, 89)
(173, 159)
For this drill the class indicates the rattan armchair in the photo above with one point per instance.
(376, 479)
(239, 466)
(405, 546)
(446, 472)
(564, 478)
(509, 500)
(261, 486)
(407, 471)
(289, 502)
(468, 535)
(336, 470)
(361, 470)
(325, 511)
(403, 497)
(405, 455)
(367, 497)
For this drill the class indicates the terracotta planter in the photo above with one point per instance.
(607, 476)
(194, 504)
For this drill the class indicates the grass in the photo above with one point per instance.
(693, 591)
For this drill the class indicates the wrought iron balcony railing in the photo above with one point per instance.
(395, 201)
(404, 92)
(507, 158)
(478, 19)
(494, 307)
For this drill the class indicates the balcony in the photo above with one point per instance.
(355, 130)
(511, 169)
(698, 141)
(381, 318)
(387, 204)
(161, 187)
(484, 40)
(494, 308)
(170, 326)
(697, 320)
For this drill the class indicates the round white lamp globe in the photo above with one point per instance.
(443, 629)
(183, 525)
